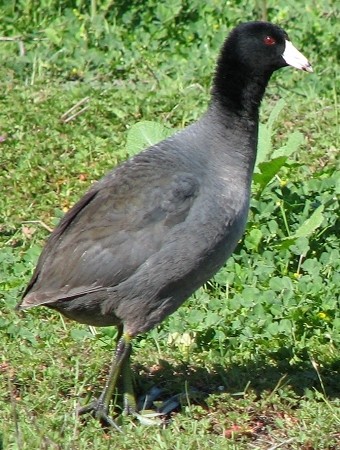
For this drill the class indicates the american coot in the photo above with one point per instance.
(154, 229)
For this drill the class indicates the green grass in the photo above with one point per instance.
(255, 352)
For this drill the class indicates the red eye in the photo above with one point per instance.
(268, 40)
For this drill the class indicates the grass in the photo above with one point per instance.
(255, 352)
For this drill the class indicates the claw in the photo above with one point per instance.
(99, 411)
(86, 409)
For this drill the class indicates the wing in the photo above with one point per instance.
(115, 228)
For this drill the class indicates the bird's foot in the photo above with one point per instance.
(130, 406)
(145, 411)
(100, 412)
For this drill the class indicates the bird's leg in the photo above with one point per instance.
(120, 363)
(130, 405)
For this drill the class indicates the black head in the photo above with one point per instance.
(262, 47)
(249, 56)
(258, 46)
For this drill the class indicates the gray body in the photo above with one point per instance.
(156, 228)
(151, 232)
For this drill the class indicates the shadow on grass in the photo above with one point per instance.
(260, 376)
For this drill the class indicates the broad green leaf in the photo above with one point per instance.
(264, 152)
(264, 147)
(253, 239)
(164, 13)
(144, 134)
(337, 183)
(285, 326)
(268, 162)
(273, 328)
(79, 334)
(268, 170)
(275, 113)
(300, 246)
(294, 141)
(279, 284)
(311, 224)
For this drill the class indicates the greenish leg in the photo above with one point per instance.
(120, 365)
(130, 405)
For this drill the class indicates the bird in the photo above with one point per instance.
(157, 227)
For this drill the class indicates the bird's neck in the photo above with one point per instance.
(233, 115)
(238, 92)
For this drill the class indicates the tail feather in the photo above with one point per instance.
(32, 299)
